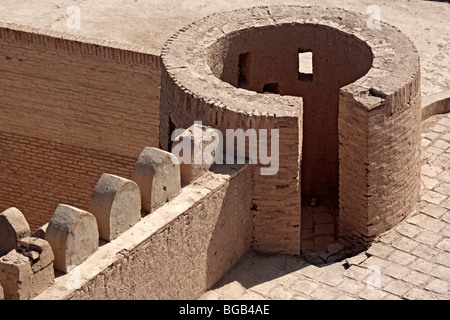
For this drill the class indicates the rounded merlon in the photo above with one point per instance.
(116, 204)
(157, 173)
(41, 246)
(73, 236)
(194, 139)
(13, 227)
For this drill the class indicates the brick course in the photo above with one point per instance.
(38, 174)
(69, 111)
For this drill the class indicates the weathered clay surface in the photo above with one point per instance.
(184, 247)
(13, 227)
(45, 255)
(28, 270)
(116, 204)
(40, 233)
(157, 173)
(15, 270)
(73, 236)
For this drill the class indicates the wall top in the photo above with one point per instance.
(185, 56)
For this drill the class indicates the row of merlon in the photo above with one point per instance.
(27, 263)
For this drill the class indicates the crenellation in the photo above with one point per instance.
(157, 173)
(116, 205)
(28, 264)
(73, 235)
(13, 227)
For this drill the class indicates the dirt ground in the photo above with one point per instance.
(148, 23)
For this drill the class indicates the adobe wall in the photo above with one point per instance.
(177, 252)
(380, 167)
(272, 193)
(353, 140)
(275, 204)
(70, 110)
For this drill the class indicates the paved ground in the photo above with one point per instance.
(411, 261)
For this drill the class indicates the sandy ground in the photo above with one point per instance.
(148, 23)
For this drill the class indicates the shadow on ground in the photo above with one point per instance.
(255, 269)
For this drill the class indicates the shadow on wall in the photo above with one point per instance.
(313, 62)
(231, 236)
(226, 223)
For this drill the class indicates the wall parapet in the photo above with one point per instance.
(78, 44)
(184, 246)
(186, 243)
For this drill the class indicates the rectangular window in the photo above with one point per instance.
(244, 69)
(305, 65)
(271, 87)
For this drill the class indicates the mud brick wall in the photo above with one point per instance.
(365, 96)
(275, 205)
(390, 158)
(380, 156)
(353, 160)
(38, 174)
(69, 111)
(179, 251)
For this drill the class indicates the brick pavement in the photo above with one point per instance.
(410, 261)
